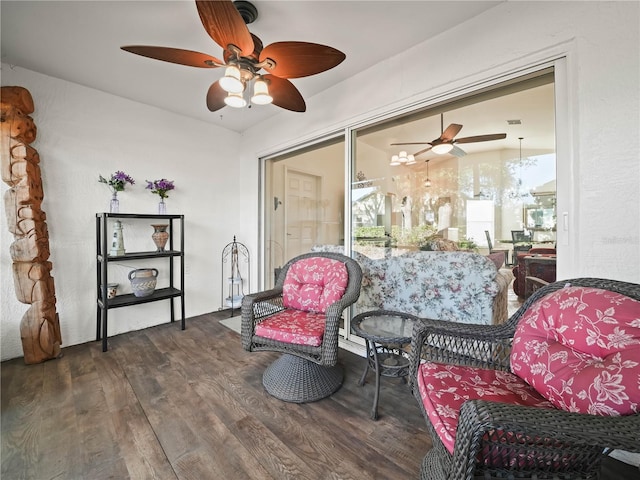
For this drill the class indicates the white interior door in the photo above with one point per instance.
(301, 212)
(480, 218)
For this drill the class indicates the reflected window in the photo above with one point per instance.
(497, 173)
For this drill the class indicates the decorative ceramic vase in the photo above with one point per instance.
(114, 206)
(143, 281)
(160, 236)
(162, 207)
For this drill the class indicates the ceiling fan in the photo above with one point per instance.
(445, 143)
(244, 59)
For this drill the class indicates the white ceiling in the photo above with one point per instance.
(79, 41)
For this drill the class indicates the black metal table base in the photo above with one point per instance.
(386, 361)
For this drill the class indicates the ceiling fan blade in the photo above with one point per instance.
(412, 143)
(482, 138)
(175, 55)
(425, 150)
(225, 25)
(215, 97)
(457, 151)
(285, 94)
(451, 131)
(300, 59)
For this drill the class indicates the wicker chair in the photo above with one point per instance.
(544, 272)
(286, 319)
(504, 440)
(522, 243)
(504, 251)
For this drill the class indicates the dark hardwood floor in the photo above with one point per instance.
(169, 404)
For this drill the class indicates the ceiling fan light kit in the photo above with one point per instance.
(231, 81)
(442, 148)
(239, 73)
(244, 57)
(402, 158)
(261, 93)
(235, 100)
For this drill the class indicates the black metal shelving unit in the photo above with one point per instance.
(103, 258)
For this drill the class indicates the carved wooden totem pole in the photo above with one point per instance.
(39, 328)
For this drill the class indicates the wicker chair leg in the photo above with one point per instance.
(297, 380)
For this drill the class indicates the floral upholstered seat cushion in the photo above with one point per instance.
(444, 388)
(294, 326)
(580, 349)
(312, 284)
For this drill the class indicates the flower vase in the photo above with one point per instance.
(160, 236)
(143, 281)
(114, 206)
(162, 207)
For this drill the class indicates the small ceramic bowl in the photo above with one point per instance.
(112, 289)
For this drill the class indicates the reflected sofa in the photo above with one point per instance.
(463, 287)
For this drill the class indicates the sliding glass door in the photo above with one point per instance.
(398, 193)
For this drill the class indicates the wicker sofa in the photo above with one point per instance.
(463, 287)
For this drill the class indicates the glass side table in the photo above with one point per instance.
(385, 333)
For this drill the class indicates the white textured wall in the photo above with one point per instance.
(83, 133)
(599, 182)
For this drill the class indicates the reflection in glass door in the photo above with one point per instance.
(407, 195)
(433, 201)
(304, 203)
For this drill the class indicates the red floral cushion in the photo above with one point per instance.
(580, 349)
(312, 284)
(294, 326)
(444, 388)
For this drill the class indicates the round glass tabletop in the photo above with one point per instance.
(384, 326)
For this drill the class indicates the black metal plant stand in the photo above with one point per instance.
(235, 260)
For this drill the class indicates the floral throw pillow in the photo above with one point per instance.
(312, 284)
(580, 349)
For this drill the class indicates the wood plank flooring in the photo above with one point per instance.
(169, 404)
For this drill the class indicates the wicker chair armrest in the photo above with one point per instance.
(255, 308)
(259, 306)
(485, 346)
(538, 282)
(481, 419)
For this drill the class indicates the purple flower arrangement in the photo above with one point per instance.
(161, 187)
(117, 181)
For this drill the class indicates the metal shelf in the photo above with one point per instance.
(131, 299)
(104, 304)
(142, 255)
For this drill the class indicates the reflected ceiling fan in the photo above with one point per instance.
(245, 58)
(445, 143)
